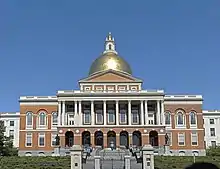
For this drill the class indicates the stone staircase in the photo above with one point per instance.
(108, 154)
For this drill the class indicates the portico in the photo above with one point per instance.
(110, 112)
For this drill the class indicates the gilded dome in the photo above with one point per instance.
(110, 59)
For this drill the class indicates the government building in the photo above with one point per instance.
(111, 106)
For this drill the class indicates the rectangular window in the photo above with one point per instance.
(151, 121)
(135, 117)
(211, 121)
(53, 139)
(29, 120)
(99, 117)
(71, 119)
(122, 116)
(212, 131)
(87, 117)
(121, 88)
(28, 139)
(12, 123)
(54, 118)
(111, 88)
(11, 134)
(213, 144)
(194, 138)
(99, 88)
(170, 138)
(111, 116)
(134, 88)
(87, 88)
(41, 140)
(181, 139)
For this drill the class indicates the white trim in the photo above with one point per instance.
(180, 97)
(184, 119)
(29, 126)
(87, 88)
(126, 112)
(52, 125)
(184, 139)
(211, 132)
(123, 88)
(109, 83)
(110, 98)
(111, 88)
(193, 125)
(52, 134)
(133, 87)
(170, 116)
(26, 136)
(46, 120)
(171, 138)
(113, 112)
(184, 129)
(196, 134)
(182, 102)
(40, 103)
(99, 88)
(41, 130)
(96, 116)
(39, 136)
(138, 118)
(84, 117)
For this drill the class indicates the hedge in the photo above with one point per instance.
(161, 162)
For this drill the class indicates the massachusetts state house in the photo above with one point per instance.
(111, 106)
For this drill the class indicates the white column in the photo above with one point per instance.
(162, 113)
(146, 112)
(104, 112)
(63, 113)
(129, 112)
(158, 112)
(92, 113)
(75, 113)
(59, 113)
(80, 114)
(117, 112)
(75, 107)
(142, 112)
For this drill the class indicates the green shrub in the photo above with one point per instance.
(161, 162)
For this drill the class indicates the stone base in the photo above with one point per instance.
(166, 150)
(57, 151)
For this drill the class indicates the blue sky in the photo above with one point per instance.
(47, 46)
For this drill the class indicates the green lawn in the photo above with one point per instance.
(64, 162)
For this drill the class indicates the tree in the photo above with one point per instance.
(6, 143)
(213, 151)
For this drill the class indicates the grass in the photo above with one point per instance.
(161, 162)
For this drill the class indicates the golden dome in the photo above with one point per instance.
(110, 59)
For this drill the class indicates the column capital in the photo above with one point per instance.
(116, 101)
(129, 101)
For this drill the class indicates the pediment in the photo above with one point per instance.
(111, 76)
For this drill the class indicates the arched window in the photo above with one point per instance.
(42, 119)
(192, 118)
(167, 118)
(54, 118)
(29, 119)
(180, 118)
(110, 47)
